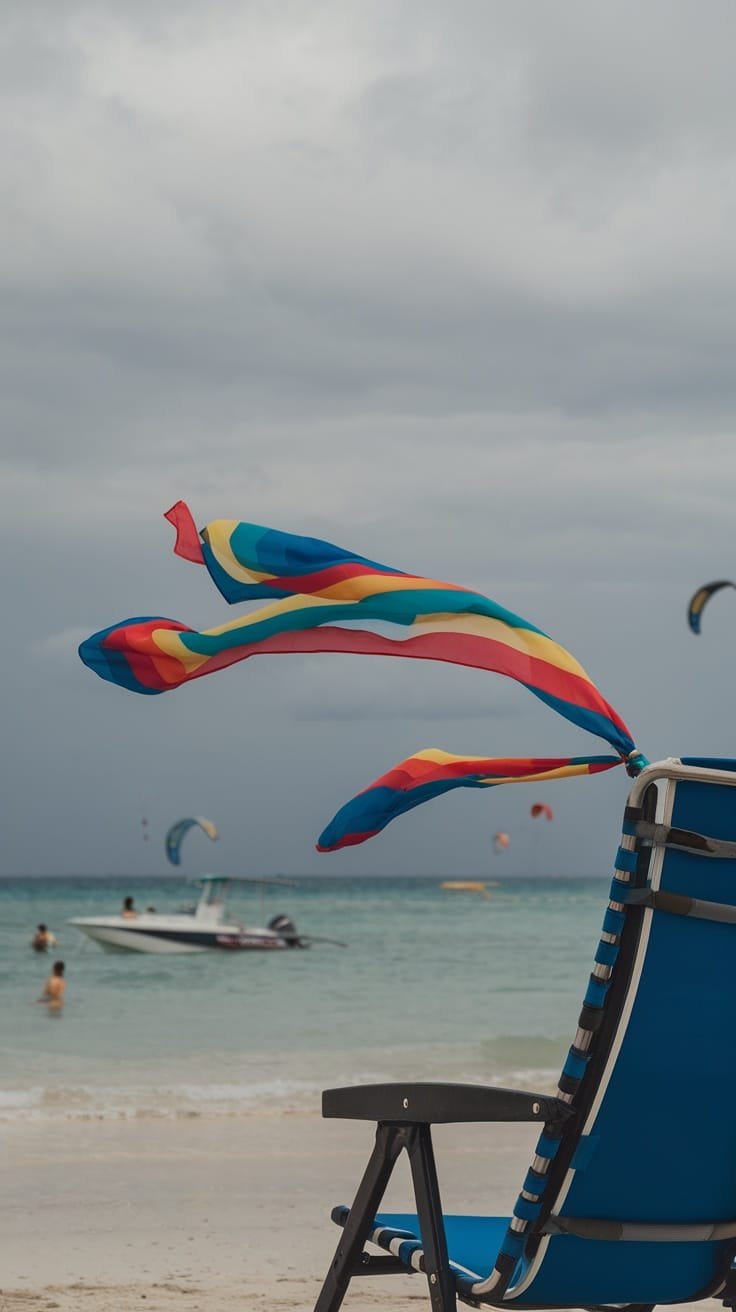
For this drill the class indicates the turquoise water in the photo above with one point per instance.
(432, 985)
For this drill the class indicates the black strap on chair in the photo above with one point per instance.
(684, 840)
(638, 1231)
(677, 904)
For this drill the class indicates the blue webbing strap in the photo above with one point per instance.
(613, 922)
(626, 860)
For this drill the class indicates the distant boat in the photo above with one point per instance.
(466, 886)
(198, 929)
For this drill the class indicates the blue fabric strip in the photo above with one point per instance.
(406, 1250)
(613, 921)
(534, 1182)
(595, 994)
(574, 1066)
(512, 1244)
(525, 1210)
(546, 1147)
(619, 888)
(626, 860)
(606, 954)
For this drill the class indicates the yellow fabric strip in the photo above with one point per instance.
(562, 772)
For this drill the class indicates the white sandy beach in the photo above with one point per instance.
(211, 1214)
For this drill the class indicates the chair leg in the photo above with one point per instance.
(390, 1141)
(442, 1292)
(728, 1293)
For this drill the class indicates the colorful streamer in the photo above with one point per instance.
(247, 562)
(325, 598)
(429, 774)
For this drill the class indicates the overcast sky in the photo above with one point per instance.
(452, 286)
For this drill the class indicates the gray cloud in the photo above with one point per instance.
(451, 288)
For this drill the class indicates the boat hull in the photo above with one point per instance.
(167, 941)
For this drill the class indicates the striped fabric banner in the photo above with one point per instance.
(326, 600)
(429, 774)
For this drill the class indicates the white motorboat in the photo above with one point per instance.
(198, 929)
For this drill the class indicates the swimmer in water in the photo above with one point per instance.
(54, 990)
(43, 939)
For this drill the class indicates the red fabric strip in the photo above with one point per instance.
(187, 543)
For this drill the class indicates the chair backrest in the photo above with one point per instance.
(651, 1076)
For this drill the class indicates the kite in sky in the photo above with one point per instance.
(322, 598)
(700, 599)
(177, 831)
(541, 808)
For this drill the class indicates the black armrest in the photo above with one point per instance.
(437, 1104)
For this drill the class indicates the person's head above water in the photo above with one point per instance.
(58, 967)
(42, 929)
(128, 904)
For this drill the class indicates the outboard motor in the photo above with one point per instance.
(284, 926)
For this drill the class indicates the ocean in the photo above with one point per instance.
(432, 985)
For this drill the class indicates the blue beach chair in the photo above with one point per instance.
(630, 1199)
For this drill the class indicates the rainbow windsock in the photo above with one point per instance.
(331, 600)
(429, 774)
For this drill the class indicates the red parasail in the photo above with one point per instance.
(541, 808)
